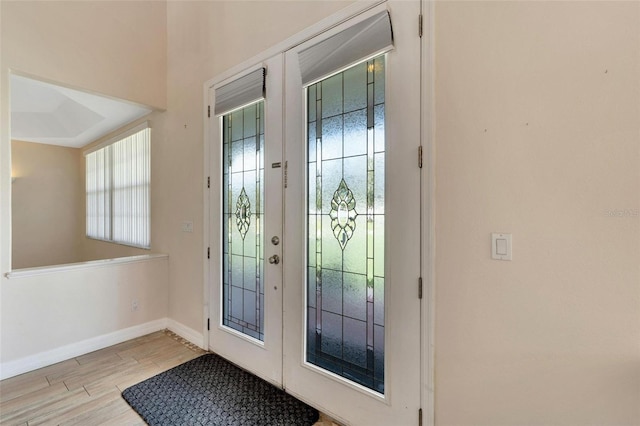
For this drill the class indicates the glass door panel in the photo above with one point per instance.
(243, 246)
(345, 186)
(352, 240)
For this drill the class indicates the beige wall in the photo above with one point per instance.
(115, 49)
(538, 135)
(47, 204)
(62, 314)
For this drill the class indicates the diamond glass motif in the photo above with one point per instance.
(343, 214)
(243, 213)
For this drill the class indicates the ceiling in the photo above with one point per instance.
(54, 115)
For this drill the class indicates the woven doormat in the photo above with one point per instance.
(209, 390)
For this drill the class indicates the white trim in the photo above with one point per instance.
(43, 270)
(428, 219)
(46, 358)
(206, 196)
(186, 332)
(144, 125)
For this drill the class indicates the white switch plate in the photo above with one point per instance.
(187, 226)
(501, 246)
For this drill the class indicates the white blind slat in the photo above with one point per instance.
(372, 36)
(240, 92)
(118, 191)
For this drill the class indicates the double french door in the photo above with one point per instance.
(315, 231)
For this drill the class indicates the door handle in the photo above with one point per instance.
(274, 260)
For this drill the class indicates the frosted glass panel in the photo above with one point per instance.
(355, 88)
(330, 92)
(345, 211)
(332, 129)
(243, 169)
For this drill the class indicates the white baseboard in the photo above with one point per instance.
(185, 332)
(43, 359)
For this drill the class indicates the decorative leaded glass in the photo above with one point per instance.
(242, 192)
(345, 281)
(243, 213)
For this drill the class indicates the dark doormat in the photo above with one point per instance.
(209, 390)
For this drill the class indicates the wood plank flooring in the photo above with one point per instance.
(86, 390)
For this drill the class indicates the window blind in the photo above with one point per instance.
(118, 180)
(240, 92)
(98, 188)
(363, 40)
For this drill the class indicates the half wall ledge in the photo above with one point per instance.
(43, 270)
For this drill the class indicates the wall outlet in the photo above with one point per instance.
(187, 226)
(134, 305)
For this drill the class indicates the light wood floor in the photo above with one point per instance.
(86, 390)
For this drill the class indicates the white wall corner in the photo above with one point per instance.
(186, 332)
(46, 358)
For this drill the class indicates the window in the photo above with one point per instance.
(240, 105)
(243, 195)
(346, 200)
(117, 185)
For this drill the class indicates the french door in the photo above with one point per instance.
(246, 220)
(352, 313)
(316, 290)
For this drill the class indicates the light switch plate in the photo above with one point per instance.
(501, 246)
(187, 226)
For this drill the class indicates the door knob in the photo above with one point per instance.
(275, 240)
(274, 260)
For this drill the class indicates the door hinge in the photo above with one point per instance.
(208, 252)
(209, 111)
(208, 323)
(420, 156)
(420, 25)
(420, 288)
(208, 181)
(420, 417)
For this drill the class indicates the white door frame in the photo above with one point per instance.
(428, 215)
(428, 177)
